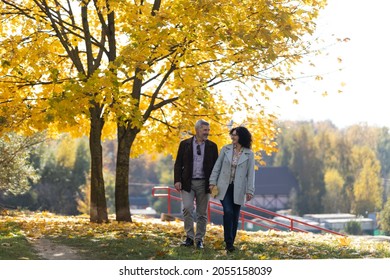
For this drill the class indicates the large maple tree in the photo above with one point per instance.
(146, 70)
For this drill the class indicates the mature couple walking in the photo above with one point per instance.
(198, 170)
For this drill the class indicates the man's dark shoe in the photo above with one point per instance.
(188, 242)
(199, 244)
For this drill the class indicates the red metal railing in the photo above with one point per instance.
(216, 207)
(168, 194)
(244, 218)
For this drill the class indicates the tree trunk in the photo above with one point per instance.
(98, 207)
(126, 138)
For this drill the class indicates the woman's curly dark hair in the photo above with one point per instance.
(244, 136)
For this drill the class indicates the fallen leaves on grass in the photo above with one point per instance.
(344, 241)
(167, 235)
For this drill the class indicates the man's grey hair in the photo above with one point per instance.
(199, 124)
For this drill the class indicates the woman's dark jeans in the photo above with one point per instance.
(231, 214)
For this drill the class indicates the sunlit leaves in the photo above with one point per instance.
(55, 67)
(344, 241)
(16, 172)
(333, 200)
(367, 187)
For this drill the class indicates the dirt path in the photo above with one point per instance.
(49, 250)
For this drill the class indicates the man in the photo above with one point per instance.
(193, 166)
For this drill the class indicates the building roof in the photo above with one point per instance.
(274, 181)
(323, 217)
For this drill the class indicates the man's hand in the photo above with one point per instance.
(178, 186)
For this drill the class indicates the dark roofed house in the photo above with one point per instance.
(273, 188)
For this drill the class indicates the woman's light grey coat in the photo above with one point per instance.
(244, 180)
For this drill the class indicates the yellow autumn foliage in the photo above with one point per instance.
(54, 69)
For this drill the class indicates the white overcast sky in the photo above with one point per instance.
(366, 58)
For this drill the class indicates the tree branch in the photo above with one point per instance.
(87, 34)
(152, 106)
(73, 54)
(169, 126)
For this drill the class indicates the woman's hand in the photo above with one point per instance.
(249, 196)
(213, 190)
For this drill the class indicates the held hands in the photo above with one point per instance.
(213, 190)
(178, 186)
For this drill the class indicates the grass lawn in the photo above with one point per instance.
(151, 239)
(13, 244)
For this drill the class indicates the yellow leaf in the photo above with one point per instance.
(344, 241)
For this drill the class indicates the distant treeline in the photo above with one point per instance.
(338, 170)
(53, 175)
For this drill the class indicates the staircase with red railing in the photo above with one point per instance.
(245, 216)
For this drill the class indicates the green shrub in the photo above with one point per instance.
(384, 218)
(353, 228)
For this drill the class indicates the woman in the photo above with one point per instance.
(233, 173)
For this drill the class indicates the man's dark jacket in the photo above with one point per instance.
(184, 162)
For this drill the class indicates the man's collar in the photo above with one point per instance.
(196, 141)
